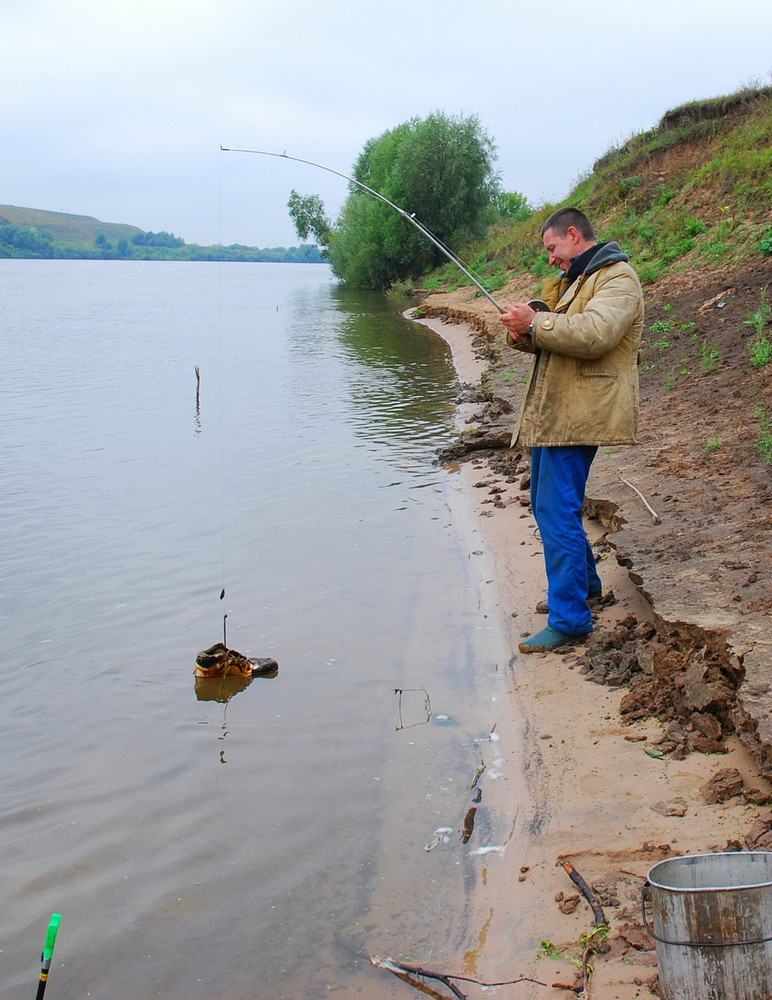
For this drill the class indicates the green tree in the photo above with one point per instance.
(23, 241)
(513, 206)
(439, 168)
(308, 215)
(161, 239)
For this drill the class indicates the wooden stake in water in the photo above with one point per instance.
(224, 619)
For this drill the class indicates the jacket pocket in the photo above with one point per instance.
(596, 371)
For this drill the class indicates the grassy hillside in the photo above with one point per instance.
(694, 192)
(75, 231)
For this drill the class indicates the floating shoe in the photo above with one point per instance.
(219, 661)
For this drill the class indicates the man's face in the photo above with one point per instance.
(562, 248)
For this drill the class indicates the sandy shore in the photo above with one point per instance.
(577, 783)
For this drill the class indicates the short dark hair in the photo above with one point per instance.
(563, 218)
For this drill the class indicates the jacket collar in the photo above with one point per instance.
(596, 256)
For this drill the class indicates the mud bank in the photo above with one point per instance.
(648, 742)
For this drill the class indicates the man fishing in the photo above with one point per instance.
(582, 393)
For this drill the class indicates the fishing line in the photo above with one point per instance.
(222, 421)
(376, 194)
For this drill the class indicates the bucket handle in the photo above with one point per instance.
(646, 897)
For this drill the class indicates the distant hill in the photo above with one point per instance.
(37, 233)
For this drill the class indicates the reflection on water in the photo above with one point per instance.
(220, 689)
(414, 707)
(307, 486)
(197, 417)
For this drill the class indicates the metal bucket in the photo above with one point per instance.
(712, 916)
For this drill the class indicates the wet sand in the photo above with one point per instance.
(575, 783)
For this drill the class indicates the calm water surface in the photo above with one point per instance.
(204, 843)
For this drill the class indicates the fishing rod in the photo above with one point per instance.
(376, 194)
(48, 953)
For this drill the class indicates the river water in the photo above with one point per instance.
(209, 842)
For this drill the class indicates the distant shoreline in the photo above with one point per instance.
(36, 234)
(192, 253)
(177, 260)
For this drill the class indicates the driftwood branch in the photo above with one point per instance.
(589, 895)
(590, 941)
(402, 969)
(655, 516)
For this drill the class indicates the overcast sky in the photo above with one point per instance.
(118, 108)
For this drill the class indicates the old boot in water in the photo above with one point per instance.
(219, 661)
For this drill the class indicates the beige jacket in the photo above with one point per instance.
(583, 387)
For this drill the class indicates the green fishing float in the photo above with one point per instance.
(48, 953)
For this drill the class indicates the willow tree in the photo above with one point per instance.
(439, 168)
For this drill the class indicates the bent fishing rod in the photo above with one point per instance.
(376, 194)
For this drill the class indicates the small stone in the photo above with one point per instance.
(675, 808)
(724, 784)
(756, 796)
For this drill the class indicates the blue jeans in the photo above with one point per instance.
(558, 481)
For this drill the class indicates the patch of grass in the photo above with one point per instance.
(760, 318)
(439, 279)
(713, 445)
(628, 184)
(718, 246)
(760, 351)
(760, 348)
(677, 249)
(549, 950)
(709, 355)
(649, 271)
(694, 227)
(765, 246)
(764, 443)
